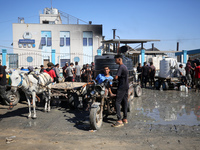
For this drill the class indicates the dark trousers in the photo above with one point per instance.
(144, 80)
(3, 93)
(70, 79)
(121, 99)
(151, 80)
(77, 79)
(183, 80)
(56, 80)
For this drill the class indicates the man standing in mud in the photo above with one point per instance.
(122, 92)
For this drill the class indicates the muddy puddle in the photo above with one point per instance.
(168, 107)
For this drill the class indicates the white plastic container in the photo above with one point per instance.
(182, 88)
(164, 69)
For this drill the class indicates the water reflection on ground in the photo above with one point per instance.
(168, 107)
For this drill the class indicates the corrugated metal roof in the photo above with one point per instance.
(149, 49)
(126, 41)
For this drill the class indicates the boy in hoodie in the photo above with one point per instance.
(50, 71)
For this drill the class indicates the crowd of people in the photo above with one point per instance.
(147, 74)
(77, 74)
(188, 75)
(70, 72)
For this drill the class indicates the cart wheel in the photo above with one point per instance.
(73, 100)
(96, 118)
(13, 97)
(165, 86)
(138, 91)
(157, 84)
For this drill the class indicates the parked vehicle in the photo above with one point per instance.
(167, 77)
(102, 104)
(13, 96)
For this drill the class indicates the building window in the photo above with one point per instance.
(45, 22)
(67, 41)
(84, 41)
(43, 41)
(61, 41)
(49, 41)
(90, 40)
(51, 22)
(20, 45)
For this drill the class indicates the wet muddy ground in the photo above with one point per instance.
(159, 120)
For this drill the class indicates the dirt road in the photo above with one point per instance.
(159, 120)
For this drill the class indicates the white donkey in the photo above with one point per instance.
(31, 86)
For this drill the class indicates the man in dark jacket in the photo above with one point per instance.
(64, 68)
(152, 74)
(42, 69)
(145, 75)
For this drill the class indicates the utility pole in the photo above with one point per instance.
(114, 50)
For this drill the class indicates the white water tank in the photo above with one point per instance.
(47, 11)
(164, 68)
(55, 11)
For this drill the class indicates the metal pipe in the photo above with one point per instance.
(142, 46)
(114, 33)
(177, 48)
(114, 50)
(152, 46)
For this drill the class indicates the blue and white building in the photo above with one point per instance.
(50, 40)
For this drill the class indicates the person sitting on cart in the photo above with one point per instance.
(106, 75)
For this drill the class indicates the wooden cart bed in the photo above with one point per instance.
(68, 85)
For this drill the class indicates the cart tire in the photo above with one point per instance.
(95, 120)
(165, 86)
(157, 85)
(13, 97)
(138, 91)
(73, 100)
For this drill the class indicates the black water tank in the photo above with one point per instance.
(108, 60)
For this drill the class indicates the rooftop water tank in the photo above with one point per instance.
(55, 11)
(47, 11)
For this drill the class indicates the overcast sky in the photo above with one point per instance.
(170, 21)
